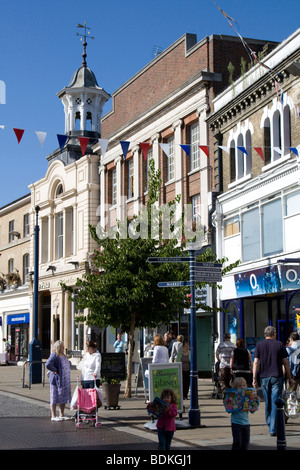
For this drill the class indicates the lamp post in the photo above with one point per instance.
(194, 411)
(35, 346)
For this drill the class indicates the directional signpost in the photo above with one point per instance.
(199, 272)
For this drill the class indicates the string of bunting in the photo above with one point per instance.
(84, 141)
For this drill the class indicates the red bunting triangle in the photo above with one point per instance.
(205, 149)
(260, 152)
(19, 133)
(145, 147)
(83, 144)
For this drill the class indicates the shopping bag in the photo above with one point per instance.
(291, 400)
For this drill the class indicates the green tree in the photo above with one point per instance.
(121, 288)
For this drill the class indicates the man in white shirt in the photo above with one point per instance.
(223, 354)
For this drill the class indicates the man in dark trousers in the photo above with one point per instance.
(269, 357)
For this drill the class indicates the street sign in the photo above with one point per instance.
(208, 265)
(174, 284)
(175, 259)
(205, 269)
(207, 277)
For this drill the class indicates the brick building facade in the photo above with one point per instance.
(257, 124)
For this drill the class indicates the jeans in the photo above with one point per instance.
(90, 383)
(164, 439)
(241, 436)
(272, 388)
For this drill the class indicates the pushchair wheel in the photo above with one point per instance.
(79, 425)
(97, 425)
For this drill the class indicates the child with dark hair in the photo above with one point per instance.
(166, 422)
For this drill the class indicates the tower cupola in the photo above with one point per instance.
(83, 100)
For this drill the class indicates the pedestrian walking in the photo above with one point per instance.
(160, 352)
(240, 425)
(223, 354)
(293, 351)
(119, 344)
(241, 361)
(177, 345)
(91, 366)
(270, 356)
(184, 356)
(60, 381)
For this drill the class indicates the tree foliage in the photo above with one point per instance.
(121, 288)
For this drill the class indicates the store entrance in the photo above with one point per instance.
(18, 335)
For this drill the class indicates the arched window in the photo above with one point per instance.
(267, 141)
(77, 121)
(59, 190)
(232, 162)
(277, 144)
(88, 124)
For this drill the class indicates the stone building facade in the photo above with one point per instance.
(256, 123)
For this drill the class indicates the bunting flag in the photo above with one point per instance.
(260, 152)
(103, 146)
(242, 149)
(41, 136)
(204, 148)
(125, 146)
(61, 140)
(278, 150)
(19, 134)
(252, 55)
(165, 149)
(186, 148)
(83, 144)
(226, 149)
(145, 148)
(293, 149)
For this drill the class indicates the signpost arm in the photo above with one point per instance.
(194, 412)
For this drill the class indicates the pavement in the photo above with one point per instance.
(124, 428)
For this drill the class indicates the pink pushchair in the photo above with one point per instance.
(87, 401)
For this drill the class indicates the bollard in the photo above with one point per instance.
(281, 441)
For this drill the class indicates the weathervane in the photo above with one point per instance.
(83, 37)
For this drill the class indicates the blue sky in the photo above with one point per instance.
(40, 51)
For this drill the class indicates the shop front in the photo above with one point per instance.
(18, 336)
(265, 296)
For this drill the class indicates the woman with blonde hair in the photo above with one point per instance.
(60, 381)
(160, 352)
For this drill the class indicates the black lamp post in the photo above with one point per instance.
(35, 346)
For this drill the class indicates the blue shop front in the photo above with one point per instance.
(260, 297)
(18, 335)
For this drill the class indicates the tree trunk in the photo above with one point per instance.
(127, 393)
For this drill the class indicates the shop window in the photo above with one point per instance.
(272, 228)
(292, 203)
(232, 226)
(251, 235)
